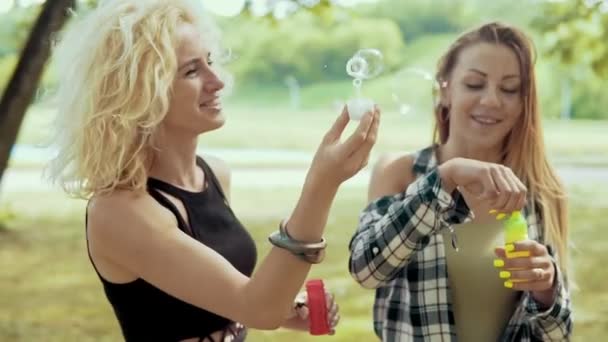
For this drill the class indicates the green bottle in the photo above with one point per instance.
(516, 229)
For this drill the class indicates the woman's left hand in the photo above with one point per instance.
(299, 318)
(535, 273)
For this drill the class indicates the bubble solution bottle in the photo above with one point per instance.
(317, 307)
(516, 229)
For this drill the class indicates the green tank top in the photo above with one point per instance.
(482, 305)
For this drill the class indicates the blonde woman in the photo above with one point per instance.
(138, 86)
(432, 262)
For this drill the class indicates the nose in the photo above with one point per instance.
(490, 98)
(211, 82)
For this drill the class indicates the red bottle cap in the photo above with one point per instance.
(317, 307)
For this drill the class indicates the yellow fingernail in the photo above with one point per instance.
(499, 263)
(508, 284)
(500, 216)
(510, 247)
(504, 274)
(493, 211)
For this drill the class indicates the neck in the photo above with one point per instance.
(175, 161)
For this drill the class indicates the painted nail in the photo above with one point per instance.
(505, 274)
(499, 263)
(509, 284)
(493, 211)
(510, 247)
(500, 216)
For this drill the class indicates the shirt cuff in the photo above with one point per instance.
(536, 309)
(451, 206)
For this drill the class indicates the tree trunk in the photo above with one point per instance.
(24, 81)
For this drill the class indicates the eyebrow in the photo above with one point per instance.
(484, 74)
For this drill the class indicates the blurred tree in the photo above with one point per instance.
(24, 81)
(269, 53)
(14, 28)
(576, 32)
(417, 18)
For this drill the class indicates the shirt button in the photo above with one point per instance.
(375, 250)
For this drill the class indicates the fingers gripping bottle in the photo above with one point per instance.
(515, 229)
(317, 307)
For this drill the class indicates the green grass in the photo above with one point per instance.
(50, 292)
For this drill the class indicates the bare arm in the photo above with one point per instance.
(140, 236)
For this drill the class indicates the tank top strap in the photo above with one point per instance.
(165, 202)
(211, 178)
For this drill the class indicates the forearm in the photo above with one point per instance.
(392, 229)
(295, 323)
(281, 274)
(309, 217)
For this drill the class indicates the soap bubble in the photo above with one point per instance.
(365, 64)
(412, 91)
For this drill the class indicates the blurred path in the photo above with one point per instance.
(26, 179)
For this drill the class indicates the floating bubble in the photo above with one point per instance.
(412, 91)
(365, 64)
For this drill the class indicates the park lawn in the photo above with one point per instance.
(50, 292)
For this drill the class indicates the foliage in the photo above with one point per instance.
(273, 51)
(576, 32)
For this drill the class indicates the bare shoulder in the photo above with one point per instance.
(391, 174)
(125, 215)
(221, 170)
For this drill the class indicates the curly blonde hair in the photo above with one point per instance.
(116, 67)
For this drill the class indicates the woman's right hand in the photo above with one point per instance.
(488, 181)
(337, 161)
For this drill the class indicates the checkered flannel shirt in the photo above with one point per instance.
(398, 251)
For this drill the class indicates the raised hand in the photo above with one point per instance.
(337, 161)
(488, 181)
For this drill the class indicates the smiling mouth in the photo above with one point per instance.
(485, 120)
(215, 103)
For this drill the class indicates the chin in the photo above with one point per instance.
(211, 123)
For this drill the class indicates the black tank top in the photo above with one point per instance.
(146, 313)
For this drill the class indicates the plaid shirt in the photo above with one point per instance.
(398, 251)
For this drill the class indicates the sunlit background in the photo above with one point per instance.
(288, 59)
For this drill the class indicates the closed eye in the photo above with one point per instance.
(192, 72)
(511, 91)
(474, 86)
